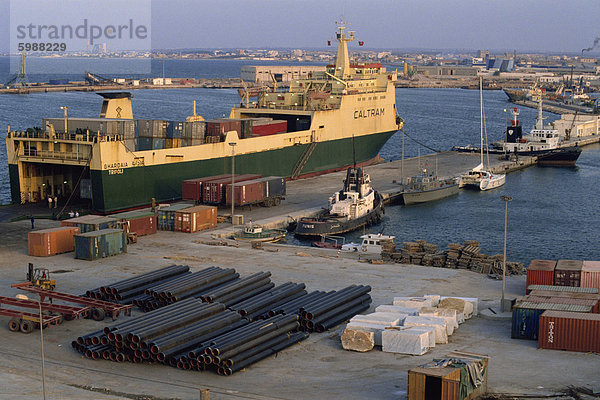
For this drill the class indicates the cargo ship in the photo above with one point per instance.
(119, 163)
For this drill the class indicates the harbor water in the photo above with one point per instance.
(553, 213)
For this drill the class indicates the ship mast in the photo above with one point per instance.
(342, 61)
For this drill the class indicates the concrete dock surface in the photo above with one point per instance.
(315, 368)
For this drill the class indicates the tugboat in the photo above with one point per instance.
(356, 205)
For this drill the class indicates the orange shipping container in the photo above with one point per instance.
(195, 219)
(590, 274)
(48, 242)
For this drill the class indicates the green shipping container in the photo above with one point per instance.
(99, 244)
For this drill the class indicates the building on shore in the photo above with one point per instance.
(279, 73)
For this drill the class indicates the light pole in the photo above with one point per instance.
(65, 109)
(232, 144)
(23, 297)
(506, 199)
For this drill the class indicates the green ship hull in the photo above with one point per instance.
(138, 185)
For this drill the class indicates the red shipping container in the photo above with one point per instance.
(565, 300)
(145, 225)
(264, 128)
(218, 127)
(191, 189)
(541, 272)
(48, 242)
(590, 274)
(195, 219)
(571, 331)
(213, 192)
(247, 192)
(568, 273)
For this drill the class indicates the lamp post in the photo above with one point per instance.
(506, 199)
(232, 144)
(23, 297)
(65, 109)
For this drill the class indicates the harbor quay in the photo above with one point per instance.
(317, 367)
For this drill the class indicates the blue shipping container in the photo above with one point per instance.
(158, 144)
(143, 143)
(99, 244)
(174, 130)
(525, 323)
(274, 186)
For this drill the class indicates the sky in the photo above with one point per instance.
(526, 25)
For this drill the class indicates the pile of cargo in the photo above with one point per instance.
(562, 307)
(225, 328)
(249, 189)
(92, 236)
(160, 134)
(412, 325)
(465, 256)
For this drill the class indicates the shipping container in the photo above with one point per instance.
(174, 130)
(218, 127)
(526, 315)
(166, 215)
(562, 289)
(539, 298)
(195, 219)
(143, 144)
(275, 188)
(568, 273)
(264, 128)
(213, 192)
(152, 128)
(158, 144)
(590, 274)
(48, 242)
(246, 193)
(540, 272)
(448, 383)
(99, 244)
(139, 222)
(191, 189)
(173, 143)
(123, 128)
(569, 331)
(194, 129)
(89, 223)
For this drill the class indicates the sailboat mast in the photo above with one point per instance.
(481, 114)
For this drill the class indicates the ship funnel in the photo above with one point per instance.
(116, 105)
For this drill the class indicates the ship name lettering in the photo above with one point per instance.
(370, 112)
(118, 171)
(115, 165)
(138, 162)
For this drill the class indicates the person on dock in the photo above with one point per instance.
(49, 201)
(55, 202)
(32, 222)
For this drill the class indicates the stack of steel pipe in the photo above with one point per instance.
(132, 287)
(239, 290)
(292, 306)
(237, 349)
(258, 306)
(192, 285)
(334, 308)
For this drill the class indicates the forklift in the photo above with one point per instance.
(40, 277)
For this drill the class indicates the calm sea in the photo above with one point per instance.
(553, 215)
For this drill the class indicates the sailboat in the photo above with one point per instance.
(478, 178)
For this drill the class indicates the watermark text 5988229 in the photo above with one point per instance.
(81, 28)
